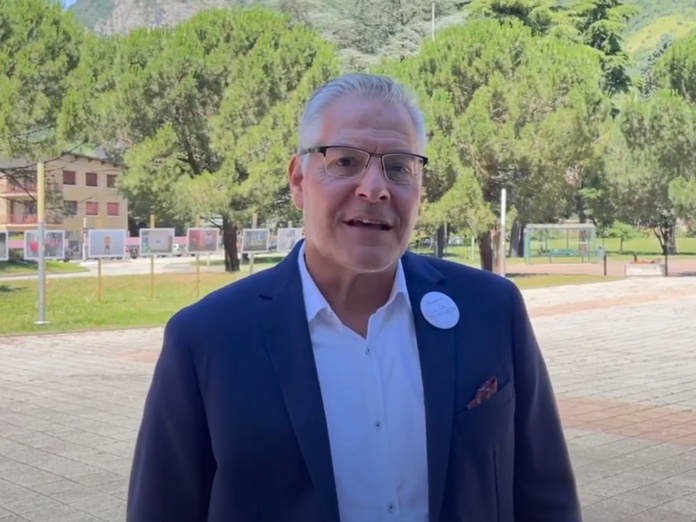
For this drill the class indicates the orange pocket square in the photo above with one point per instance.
(485, 392)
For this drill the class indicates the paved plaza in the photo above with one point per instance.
(622, 357)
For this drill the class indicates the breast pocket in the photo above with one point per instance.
(490, 419)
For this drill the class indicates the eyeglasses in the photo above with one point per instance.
(349, 162)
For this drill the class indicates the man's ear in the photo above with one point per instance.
(296, 175)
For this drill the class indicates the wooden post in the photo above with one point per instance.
(100, 284)
(152, 263)
(254, 224)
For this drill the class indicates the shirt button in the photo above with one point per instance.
(391, 508)
(378, 425)
(367, 351)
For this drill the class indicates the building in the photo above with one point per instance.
(81, 193)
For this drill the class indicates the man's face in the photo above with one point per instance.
(361, 223)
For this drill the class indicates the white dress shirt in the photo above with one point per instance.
(373, 401)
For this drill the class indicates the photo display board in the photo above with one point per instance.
(255, 240)
(288, 238)
(54, 244)
(202, 240)
(4, 246)
(156, 241)
(106, 243)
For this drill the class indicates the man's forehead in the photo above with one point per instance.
(355, 116)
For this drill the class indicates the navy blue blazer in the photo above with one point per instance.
(234, 430)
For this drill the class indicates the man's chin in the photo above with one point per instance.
(369, 260)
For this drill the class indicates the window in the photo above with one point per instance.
(112, 209)
(70, 207)
(92, 208)
(111, 180)
(91, 179)
(69, 177)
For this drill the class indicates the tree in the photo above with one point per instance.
(652, 164)
(601, 23)
(208, 106)
(39, 47)
(372, 30)
(519, 111)
(623, 232)
(677, 70)
(543, 17)
(649, 80)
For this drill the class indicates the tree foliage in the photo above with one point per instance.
(203, 114)
(506, 109)
(39, 47)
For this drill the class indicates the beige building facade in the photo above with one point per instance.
(82, 193)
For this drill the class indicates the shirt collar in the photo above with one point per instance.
(315, 302)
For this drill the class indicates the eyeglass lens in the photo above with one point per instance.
(347, 163)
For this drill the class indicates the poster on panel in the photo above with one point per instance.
(106, 243)
(255, 240)
(202, 240)
(4, 246)
(288, 238)
(54, 244)
(156, 241)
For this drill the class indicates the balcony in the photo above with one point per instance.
(19, 189)
(31, 219)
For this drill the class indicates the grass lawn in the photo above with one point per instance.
(644, 248)
(544, 281)
(52, 267)
(73, 304)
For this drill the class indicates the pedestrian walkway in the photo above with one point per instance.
(622, 357)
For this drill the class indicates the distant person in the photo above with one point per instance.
(354, 381)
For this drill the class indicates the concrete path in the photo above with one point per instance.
(622, 357)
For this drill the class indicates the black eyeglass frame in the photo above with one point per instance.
(324, 148)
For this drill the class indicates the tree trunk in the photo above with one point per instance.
(486, 251)
(667, 236)
(672, 242)
(517, 240)
(440, 242)
(229, 241)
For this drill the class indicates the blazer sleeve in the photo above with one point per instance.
(544, 484)
(173, 464)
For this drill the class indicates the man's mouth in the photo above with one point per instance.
(374, 224)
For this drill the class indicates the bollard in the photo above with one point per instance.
(605, 264)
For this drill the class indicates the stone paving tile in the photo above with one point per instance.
(622, 357)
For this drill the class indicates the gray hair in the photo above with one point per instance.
(376, 86)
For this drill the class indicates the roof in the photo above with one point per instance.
(560, 226)
(27, 163)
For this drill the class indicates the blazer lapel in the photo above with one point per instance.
(436, 348)
(288, 343)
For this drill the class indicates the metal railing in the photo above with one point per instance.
(31, 219)
(19, 188)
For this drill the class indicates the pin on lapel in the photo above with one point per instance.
(439, 310)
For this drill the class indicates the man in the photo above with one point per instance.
(354, 382)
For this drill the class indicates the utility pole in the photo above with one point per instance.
(41, 222)
(432, 21)
(503, 241)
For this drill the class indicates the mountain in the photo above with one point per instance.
(658, 18)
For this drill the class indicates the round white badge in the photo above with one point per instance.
(439, 310)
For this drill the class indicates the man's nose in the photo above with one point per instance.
(373, 184)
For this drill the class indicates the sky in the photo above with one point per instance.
(68, 3)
